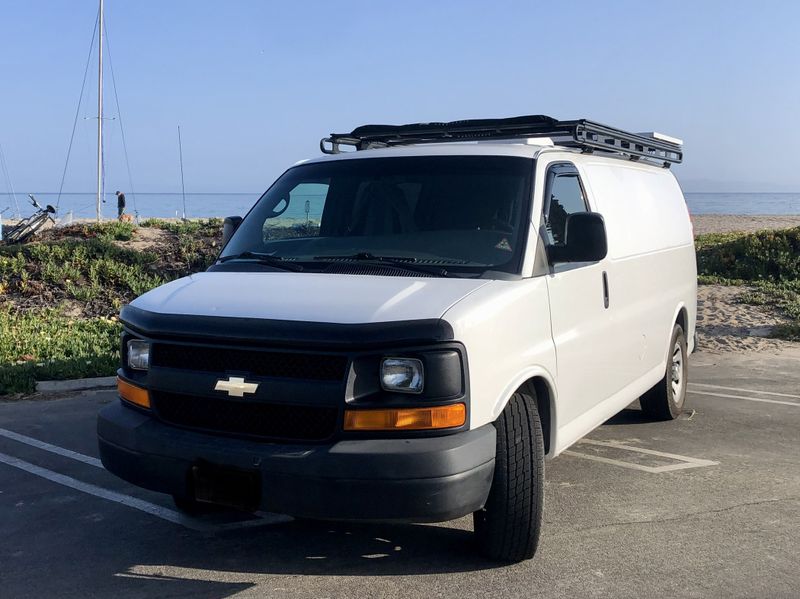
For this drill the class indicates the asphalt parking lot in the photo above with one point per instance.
(706, 506)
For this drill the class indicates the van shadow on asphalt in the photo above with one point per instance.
(219, 564)
(629, 416)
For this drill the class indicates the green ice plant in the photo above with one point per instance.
(46, 344)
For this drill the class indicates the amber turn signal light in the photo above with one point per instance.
(406, 418)
(133, 394)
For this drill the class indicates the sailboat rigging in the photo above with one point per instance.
(101, 33)
(183, 186)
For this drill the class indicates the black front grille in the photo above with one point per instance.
(317, 367)
(249, 417)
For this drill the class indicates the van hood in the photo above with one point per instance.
(308, 297)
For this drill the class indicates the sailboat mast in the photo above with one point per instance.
(100, 115)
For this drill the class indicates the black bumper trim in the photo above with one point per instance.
(421, 480)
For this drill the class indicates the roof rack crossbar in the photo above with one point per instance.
(580, 133)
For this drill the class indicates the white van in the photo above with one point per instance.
(407, 330)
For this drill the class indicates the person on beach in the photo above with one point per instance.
(120, 204)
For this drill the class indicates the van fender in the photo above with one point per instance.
(519, 380)
(689, 341)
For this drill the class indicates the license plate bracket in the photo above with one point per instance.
(226, 485)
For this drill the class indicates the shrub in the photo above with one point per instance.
(47, 345)
(790, 332)
(86, 270)
(785, 296)
(210, 227)
(771, 255)
(197, 240)
(112, 230)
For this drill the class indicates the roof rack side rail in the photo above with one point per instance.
(595, 136)
(580, 133)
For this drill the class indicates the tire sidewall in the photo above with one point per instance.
(516, 499)
(678, 336)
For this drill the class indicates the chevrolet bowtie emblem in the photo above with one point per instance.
(235, 386)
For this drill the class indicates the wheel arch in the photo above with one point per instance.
(543, 385)
(681, 317)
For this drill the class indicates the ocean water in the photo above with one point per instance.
(171, 205)
(743, 203)
(146, 205)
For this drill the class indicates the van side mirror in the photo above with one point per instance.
(229, 226)
(584, 240)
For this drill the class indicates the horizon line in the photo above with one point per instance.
(178, 193)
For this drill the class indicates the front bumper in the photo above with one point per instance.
(425, 479)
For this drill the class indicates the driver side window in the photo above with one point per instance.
(564, 196)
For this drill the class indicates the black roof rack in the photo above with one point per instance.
(579, 133)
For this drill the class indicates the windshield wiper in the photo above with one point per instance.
(403, 262)
(267, 259)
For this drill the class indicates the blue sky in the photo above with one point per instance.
(255, 84)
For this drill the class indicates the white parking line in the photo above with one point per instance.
(744, 390)
(132, 502)
(126, 500)
(686, 462)
(67, 453)
(758, 399)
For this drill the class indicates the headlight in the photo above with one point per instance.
(402, 374)
(138, 354)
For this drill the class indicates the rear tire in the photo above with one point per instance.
(666, 399)
(508, 527)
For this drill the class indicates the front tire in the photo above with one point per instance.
(666, 399)
(508, 527)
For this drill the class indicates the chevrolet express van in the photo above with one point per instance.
(405, 331)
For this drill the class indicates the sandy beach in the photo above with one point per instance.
(724, 325)
(726, 223)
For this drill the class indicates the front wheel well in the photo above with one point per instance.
(543, 405)
(681, 320)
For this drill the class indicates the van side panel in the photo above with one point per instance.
(652, 270)
(644, 208)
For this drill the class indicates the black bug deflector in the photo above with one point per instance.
(286, 332)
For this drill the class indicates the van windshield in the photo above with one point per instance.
(463, 214)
